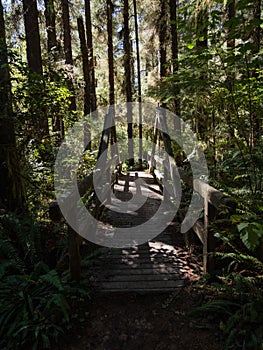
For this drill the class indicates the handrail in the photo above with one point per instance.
(214, 200)
(74, 240)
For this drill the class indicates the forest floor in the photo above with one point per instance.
(131, 321)
(146, 322)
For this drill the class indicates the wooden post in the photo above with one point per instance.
(73, 243)
(155, 135)
(210, 241)
(74, 254)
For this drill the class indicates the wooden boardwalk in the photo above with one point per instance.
(158, 265)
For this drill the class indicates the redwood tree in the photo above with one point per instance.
(11, 187)
(111, 64)
(34, 57)
(127, 73)
(68, 50)
(90, 56)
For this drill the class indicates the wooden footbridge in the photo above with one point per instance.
(159, 264)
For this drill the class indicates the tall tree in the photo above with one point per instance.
(90, 56)
(86, 75)
(231, 13)
(11, 187)
(201, 28)
(110, 10)
(138, 79)
(68, 50)
(127, 73)
(53, 52)
(175, 55)
(110, 52)
(52, 44)
(255, 120)
(34, 57)
(85, 66)
(162, 41)
(33, 48)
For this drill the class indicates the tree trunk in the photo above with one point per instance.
(162, 42)
(33, 49)
(175, 57)
(255, 119)
(90, 56)
(68, 51)
(111, 66)
(201, 46)
(85, 67)
(110, 53)
(11, 186)
(231, 13)
(34, 58)
(53, 51)
(52, 44)
(127, 72)
(138, 80)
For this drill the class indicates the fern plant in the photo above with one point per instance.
(36, 308)
(237, 302)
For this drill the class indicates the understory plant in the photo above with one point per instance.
(37, 303)
(235, 300)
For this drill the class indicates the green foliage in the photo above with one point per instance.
(34, 308)
(37, 305)
(251, 234)
(235, 303)
(20, 241)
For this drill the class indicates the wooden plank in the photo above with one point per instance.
(124, 266)
(126, 270)
(142, 285)
(137, 290)
(140, 257)
(136, 278)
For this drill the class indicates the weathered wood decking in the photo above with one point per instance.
(156, 266)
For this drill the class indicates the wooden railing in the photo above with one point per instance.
(215, 203)
(109, 178)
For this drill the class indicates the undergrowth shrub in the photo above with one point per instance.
(235, 301)
(37, 303)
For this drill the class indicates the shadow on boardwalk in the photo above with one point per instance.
(160, 265)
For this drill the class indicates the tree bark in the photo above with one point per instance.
(201, 46)
(255, 120)
(90, 56)
(86, 75)
(68, 51)
(34, 58)
(52, 44)
(53, 52)
(110, 53)
(175, 56)
(162, 42)
(11, 186)
(33, 49)
(138, 80)
(231, 13)
(111, 67)
(127, 72)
